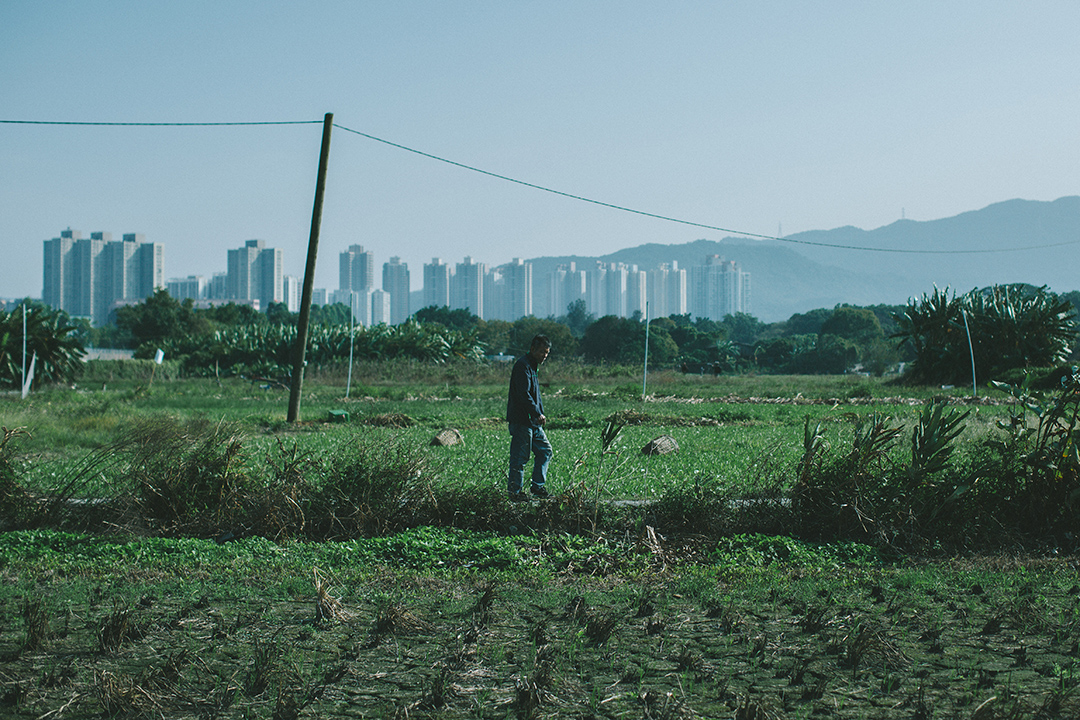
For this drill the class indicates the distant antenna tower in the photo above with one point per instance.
(780, 229)
(903, 215)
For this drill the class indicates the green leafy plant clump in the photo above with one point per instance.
(998, 329)
(50, 346)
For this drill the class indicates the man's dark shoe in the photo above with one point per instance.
(540, 492)
(519, 497)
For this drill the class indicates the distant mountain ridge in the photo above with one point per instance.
(790, 277)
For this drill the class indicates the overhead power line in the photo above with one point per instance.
(561, 193)
(160, 124)
(667, 218)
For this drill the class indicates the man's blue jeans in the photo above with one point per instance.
(523, 440)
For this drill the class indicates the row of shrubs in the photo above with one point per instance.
(1018, 486)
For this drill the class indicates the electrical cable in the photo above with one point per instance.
(689, 222)
(553, 191)
(159, 124)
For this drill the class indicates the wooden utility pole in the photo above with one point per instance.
(309, 276)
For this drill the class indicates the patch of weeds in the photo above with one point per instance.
(278, 511)
(572, 421)
(16, 506)
(581, 393)
(580, 555)
(120, 695)
(36, 620)
(265, 666)
(628, 417)
(543, 666)
(393, 618)
(760, 551)
(327, 607)
(372, 488)
(189, 477)
(728, 416)
(840, 497)
(438, 691)
(665, 706)
(527, 699)
(862, 390)
(725, 614)
(481, 611)
(600, 626)
(700, 506)
(814, 619)
(867, 642)
(686, 660)
(390, 420)
(428, 547)
(119, 626)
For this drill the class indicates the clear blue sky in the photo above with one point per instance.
(746, 115)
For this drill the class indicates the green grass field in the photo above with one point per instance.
(562, 609)
(737, 444)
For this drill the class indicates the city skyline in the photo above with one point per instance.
(90, 277)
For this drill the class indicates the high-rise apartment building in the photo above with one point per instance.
(667, 290)
(356, 275)
(518, 289)
(596, 282)
(395, 281)
(217, 287)
(88, 277)
(619, 289)
(436, 283)
(718, 288)
(356, 269)
(566, 285)
(467, 287)
(291, 286)
(636, 295)
(192, 287)
(615, 289)
(508, 291)
(379, 312)
(254, 273)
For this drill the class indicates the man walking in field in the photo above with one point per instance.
(525, 415)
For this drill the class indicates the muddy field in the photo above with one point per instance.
(987, 640)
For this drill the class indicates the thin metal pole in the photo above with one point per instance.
(309, 275)
(645, 374)
(352, 340)
(24, 344)
(971, 351)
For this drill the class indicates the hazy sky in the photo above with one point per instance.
(745, 115)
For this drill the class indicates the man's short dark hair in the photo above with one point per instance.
(540, 341)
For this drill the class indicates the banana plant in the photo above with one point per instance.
(50, 336)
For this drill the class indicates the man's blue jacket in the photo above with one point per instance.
(524, 405)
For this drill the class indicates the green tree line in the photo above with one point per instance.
(1012, 328)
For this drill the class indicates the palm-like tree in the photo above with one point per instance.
(1011, 326)
(50, 336)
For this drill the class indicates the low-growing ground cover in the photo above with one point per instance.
(436, 624)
